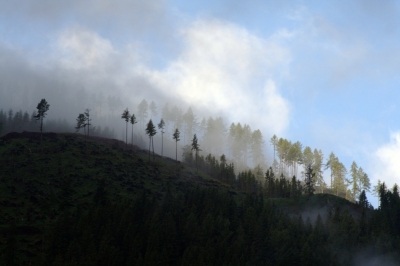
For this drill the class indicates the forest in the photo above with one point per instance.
(244, 148)
(73, 199)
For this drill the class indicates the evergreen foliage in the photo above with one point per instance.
(110, 209)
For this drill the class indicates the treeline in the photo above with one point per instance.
(240, 145)
(209, 227)
(19, 121)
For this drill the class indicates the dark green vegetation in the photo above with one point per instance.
(95, 203)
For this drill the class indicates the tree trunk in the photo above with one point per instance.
(152, 144)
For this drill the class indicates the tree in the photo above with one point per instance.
(176, 138)
(355, 177)
(274, 142)
(257, 145)
(42, 108)
(151, 131)
(189, 120)
(87, 116)
(133, 121)
(161, 126)
(331, 161)
(81, 123)
(195, 147)
(142, 111)
(125, 115)
(318, 159)
(365, 183)
(309, 180)
(153, 109)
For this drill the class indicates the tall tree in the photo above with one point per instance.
(355, 177)
(190, 122)
(309, 180)
(88, 119)
(331, 161)
(151, 131)
(257, 145)
(126, 116)
(319, 179)
(365, 183)
(81, 123)
(274, 142)
(153, 109)
(176, 138)
(142, 111)
(195, 147)
(42, 108)
(133, 121)
(161, 126)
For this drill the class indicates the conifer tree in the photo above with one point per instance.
(151, 131)
(133, 121)
(274, 142)
(142, 111)
(355, 178)
(88, 124)
(195, 147)
(81, 123)
(176, 138)
(42, 108)
(153, 109)
(309, 180)
(161, 126)
(125, 115)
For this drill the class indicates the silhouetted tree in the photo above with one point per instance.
(133, 121)
(195, 147)
(161, 126)
(42, 108)
(88, 124)
(176, 138)
(309, 180)
(81, 123)
(125, 115)
(151, 131)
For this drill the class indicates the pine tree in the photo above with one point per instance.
(42, 108)
(88, 124)
(195, 147)
(176, 138)
(81, 123)
(133, 121)
(153, 109)
(125, 115)
(161, 126)
(151, 131)
(142, 111)
(309, 180)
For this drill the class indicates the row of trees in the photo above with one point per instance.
(239, 142)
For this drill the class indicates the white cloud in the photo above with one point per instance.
(388, 161)
(225, 68)
(81, 49)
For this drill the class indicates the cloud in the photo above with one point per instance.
(388, 158)
(81, 49)
(225, 68)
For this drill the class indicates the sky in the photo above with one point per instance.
(324, 73)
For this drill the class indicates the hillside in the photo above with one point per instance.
(72, 184)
